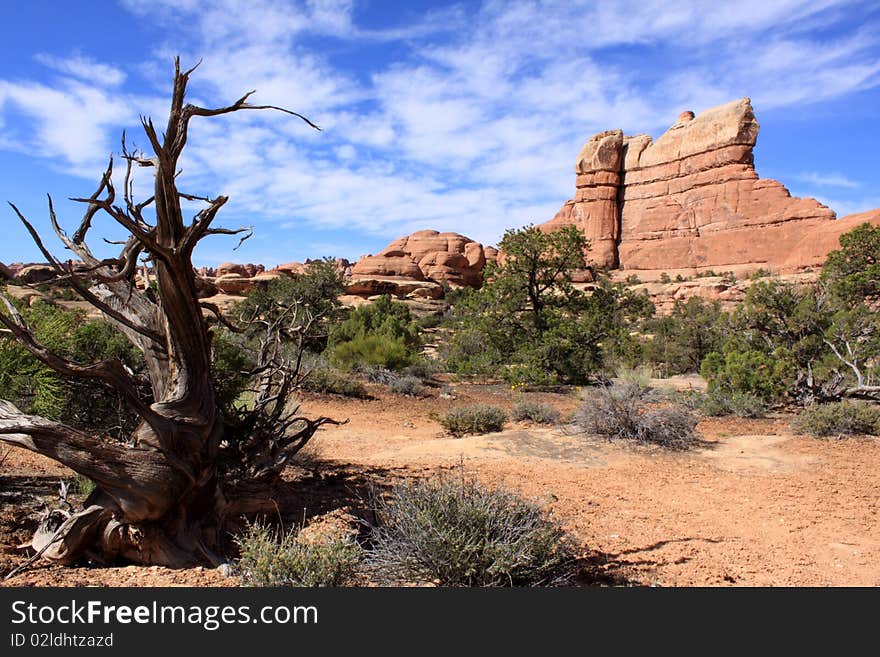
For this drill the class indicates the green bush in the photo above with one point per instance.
(382, 334)
(423, 368)
(622, 412)
(531, 325)
(529, 373)
(475, 419)
(372, 350)
(468, 354)
(83, 486)
(681, 340)
(838, 419)
(267, 560)
(456, 532)
(230, 361)
(534, 411)
(761, 375)
(35, 388)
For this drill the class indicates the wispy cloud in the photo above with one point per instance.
(84, 68)
(472, 124)
(827, 180)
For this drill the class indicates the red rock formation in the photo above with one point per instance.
(426, 255)
(812, 249)
(692, 201)
(248, 270)
(594, 208)
(5, 273)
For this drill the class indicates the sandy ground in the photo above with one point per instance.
(756, 506)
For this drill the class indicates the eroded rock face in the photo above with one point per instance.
(814, 246)
(691, 200)
(417, 265)
(729, 291)
(5, 273)
(595, 209)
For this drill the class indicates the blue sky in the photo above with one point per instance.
(456, 116)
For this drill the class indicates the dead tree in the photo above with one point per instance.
(166, 494)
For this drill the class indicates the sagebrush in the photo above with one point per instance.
(838, 419)
(623, 412)
(474, 419)
(457, 532)
(534, 411)
(267, 559)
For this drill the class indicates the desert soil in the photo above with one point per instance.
(757, 505)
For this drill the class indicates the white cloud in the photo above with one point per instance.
(475, 124)
(70, 122)
(85, 69)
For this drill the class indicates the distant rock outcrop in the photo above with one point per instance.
(691, 201)
(418, 265)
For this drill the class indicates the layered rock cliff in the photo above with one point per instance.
(692, 201)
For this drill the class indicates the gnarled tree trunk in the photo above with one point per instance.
(162, 497)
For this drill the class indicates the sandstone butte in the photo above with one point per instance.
(691, 201)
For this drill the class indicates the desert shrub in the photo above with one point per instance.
(423, 368)
(717, 403)
(621, 412)
(755, 373)
(382, 334)
(470, 354)
(474, 419)
(531, 325)
(530, 373)
(311, 298)
(664, 278)
(328, 381)
(534, 411)
(380, 350)
(638, 376)
(376, 374)
(838, 419)
(265, 559)
(230, 361)
(407, 385)
(456, 532)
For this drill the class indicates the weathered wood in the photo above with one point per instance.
(160, 496)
